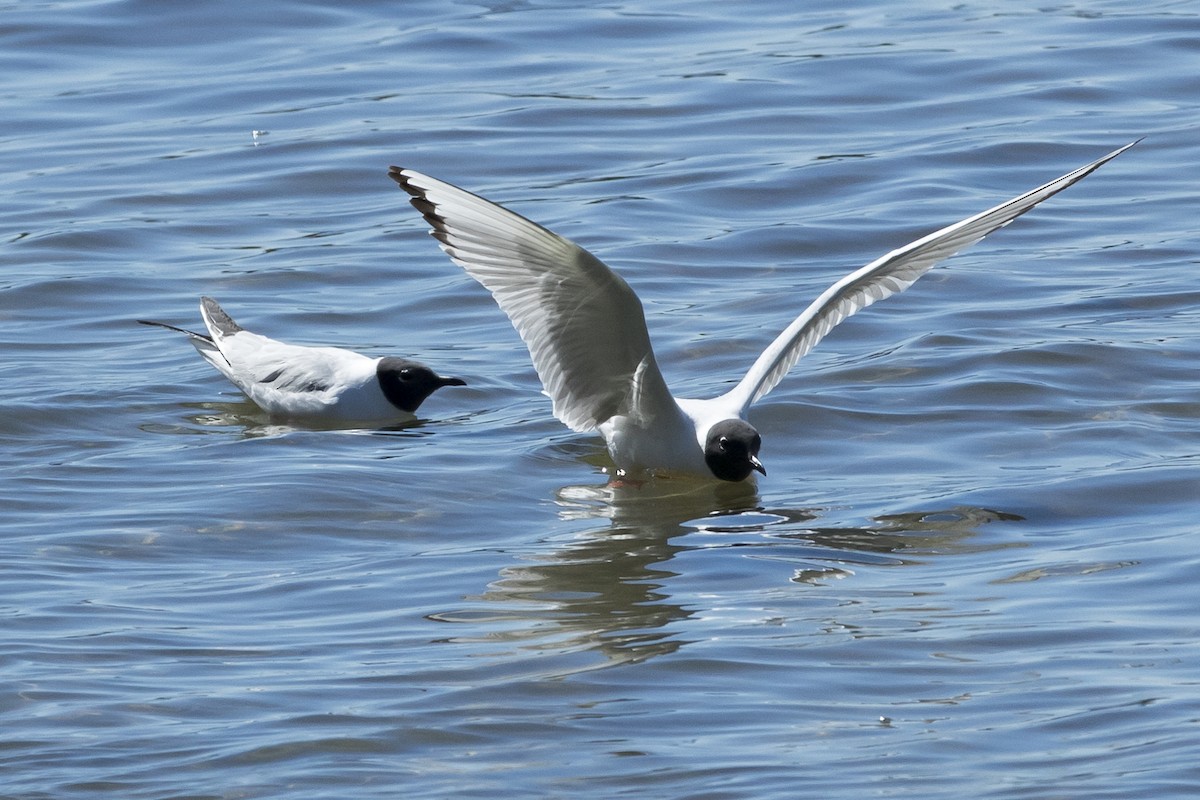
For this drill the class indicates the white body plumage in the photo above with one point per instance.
(315, 384)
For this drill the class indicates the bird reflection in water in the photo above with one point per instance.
(607, 588)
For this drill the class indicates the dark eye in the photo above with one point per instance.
(722, 442)
(406, 374)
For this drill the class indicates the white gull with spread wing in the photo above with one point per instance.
(586, 330)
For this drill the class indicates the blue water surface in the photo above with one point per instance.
(971, 569)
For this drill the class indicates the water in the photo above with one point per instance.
(971, 569)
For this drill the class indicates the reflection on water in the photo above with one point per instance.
(605, 589)
(247, 421)
(894, 540)
(662, 503)
(609, 589)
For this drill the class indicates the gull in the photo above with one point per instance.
(315, 384)
(586, 330)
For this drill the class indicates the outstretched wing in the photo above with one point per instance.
(891, 274)
(583, 325)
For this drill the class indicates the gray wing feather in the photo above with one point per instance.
(583, 325)
(888, 275)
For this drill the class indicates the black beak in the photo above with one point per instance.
(757, 465)
(451, 381)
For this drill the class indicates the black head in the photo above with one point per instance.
(406, 383)
(731, 451)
